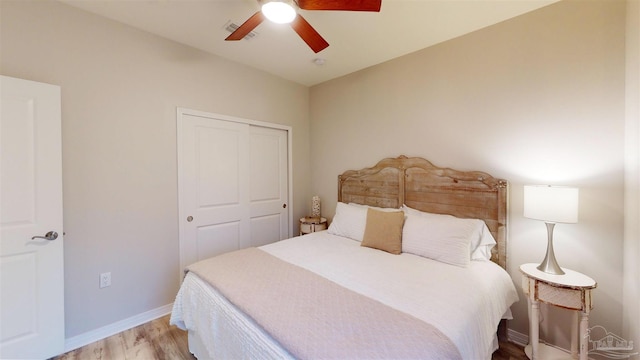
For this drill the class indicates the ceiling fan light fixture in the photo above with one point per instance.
(279, 12)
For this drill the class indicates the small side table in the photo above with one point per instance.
(312, 224)
(571, 291)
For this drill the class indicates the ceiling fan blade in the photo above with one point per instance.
(309, 34)
(346, 5)
(246, 27)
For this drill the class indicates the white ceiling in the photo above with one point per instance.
(357, 39)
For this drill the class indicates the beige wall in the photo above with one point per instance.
(537, 99)
(120, 90)
(631, 251)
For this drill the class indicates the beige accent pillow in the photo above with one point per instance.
(384, 231)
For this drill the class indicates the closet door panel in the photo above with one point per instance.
(268, 193)
(214, 185)
(217, 239)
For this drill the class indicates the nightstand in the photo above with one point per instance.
(312, 224)
(571, 291)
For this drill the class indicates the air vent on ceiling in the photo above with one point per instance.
(231, 27)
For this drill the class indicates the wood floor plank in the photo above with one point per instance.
(115, 347)
(159, 340)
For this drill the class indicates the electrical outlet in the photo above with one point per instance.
(105, 280)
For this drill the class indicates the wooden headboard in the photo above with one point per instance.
(421, 185)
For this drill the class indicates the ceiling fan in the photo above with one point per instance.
(283, 12)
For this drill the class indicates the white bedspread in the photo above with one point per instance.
(466, 304)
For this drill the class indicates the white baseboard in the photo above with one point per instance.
(517, 338)
(89, 337)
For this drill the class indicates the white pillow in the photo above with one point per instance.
(349, 221)
(443, 238)
(482, 252)
(480, 239)
(375, 207)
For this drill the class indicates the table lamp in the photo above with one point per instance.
(551, 204)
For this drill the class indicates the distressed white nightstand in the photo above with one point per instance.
(312, 224)
(571, 291)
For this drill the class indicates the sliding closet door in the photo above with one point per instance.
(268, 185)
(233, 184)
(214, 187)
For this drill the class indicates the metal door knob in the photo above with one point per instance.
(51, 235)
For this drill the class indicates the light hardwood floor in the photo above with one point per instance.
(159, 340)
(153, 340)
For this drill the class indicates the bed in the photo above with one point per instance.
(355, 290)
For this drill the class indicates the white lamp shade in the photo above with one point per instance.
(553, 204)
(279, 12)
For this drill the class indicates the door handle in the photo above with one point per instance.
(51, 235)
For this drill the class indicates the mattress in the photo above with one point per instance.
(466, 304)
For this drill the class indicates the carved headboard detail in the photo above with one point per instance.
(421, 185)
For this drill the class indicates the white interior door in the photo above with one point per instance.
(31, 270)
(268, 190)
(215, 184)
(233, 184)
